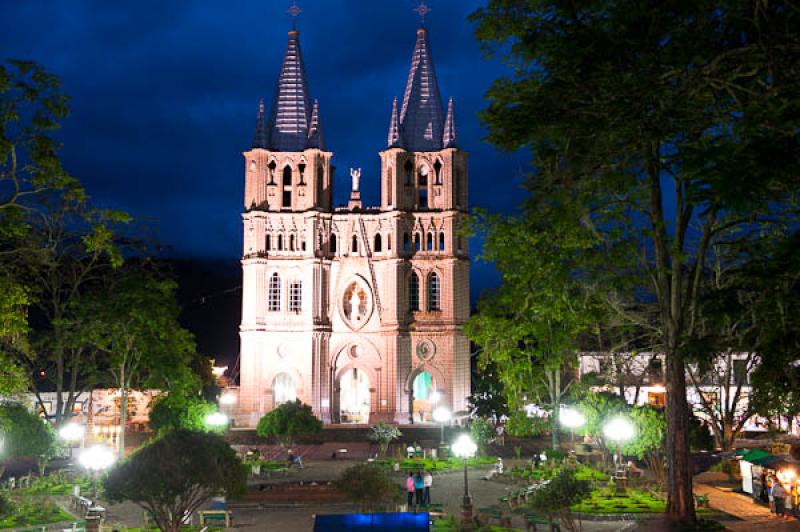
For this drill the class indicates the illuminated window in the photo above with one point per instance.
(274, 298)
(434, 292)
(283, 389)
(296, 297)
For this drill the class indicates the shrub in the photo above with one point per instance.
(287, 421)
(175, 411)
(482, 432)
(370, 486)
(556, 499)
(383, 434)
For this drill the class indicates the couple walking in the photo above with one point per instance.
(418, 485)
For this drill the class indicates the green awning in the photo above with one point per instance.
(756, 456)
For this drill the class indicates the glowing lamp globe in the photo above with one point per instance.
(464, 447)
(97, 457)
(71, 432)
(619, 429)
(217, 419)
(227, 399)
(442, 415)
(572, 419)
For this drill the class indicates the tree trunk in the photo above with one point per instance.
(123, 418)
(680, 500)
(555, 394)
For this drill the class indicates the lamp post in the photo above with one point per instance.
(442, 415)
(96, 458)
(572, 419)
(465, 448)
(619, 429)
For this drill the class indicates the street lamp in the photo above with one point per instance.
(465, 448)
(572, 419)
(619, 430)
(96, 458)
(442, 415)
(216, 420)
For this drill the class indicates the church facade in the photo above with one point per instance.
(358, 310)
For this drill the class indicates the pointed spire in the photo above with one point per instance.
(450, 138)
(421, 120)
(315, 137)
(291, 109)
(260, 139)
(394, 128)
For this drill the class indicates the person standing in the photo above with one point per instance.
(427, 481)
(779, 498)
(410, 490)
(419, 488)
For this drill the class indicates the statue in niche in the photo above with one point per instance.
(355, 303)
(355, 174)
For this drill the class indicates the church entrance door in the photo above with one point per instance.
(424, 397)
(354, 397)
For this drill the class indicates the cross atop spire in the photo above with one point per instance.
(294, 12)
(422, 10)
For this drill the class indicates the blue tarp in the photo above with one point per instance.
(386, 522)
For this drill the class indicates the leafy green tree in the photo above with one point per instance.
(556, 499)
(521, 425)
(671, 129)
(530, 327)
(176, 474)
(288, 420)
(487, 398)
(383, 434)
(134, 322)
(173, 411)
(370, 486)
(24, 434)
(482, 432)
(14, 377)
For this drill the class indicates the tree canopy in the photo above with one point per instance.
(287, 420)
(668, 131)
(176, 474)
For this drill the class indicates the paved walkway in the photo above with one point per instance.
(750, 514)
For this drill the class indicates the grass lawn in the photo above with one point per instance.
(582, 472)
(605, 501)
(31, 511)
(435, 464)
(55, 484)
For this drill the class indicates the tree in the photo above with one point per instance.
(530, 327)
(14, 378)
(487, 398)
(134, 322)
(176, 474)
(556, 498)
(370, 486)
(672, 129)
(482, 432)
(174, 410)
(24, 434)
(288, 420)
(383, 434)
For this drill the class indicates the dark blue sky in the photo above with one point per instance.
(164, 96)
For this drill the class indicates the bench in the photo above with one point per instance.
(487, 514)
(535, 520)
(215, 517)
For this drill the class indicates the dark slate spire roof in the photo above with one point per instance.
(421, 117)
(316, 139)
(261, 138)
(394, 128)
(450, 137)
(289, 122)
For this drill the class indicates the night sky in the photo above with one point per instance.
(164, 96)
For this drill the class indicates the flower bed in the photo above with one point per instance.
(582, 472)
(605, 501)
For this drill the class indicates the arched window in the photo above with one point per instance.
(429, 243)
(437, 172)
(272, 166)
(406, 243)
(283, 389)
(457, 188)
(409, 169)
(296, 297)
(287, 187)
(389, 242)
(423, 198)
(280, 242)
(417, 241)
(354, 247)
(333, 243)
(291, 242)
(378, 243)
(413, 292)
(434, 292)
(460, 244)
(274, 297)
(268, 242)
(302, 168)
(422, 180)
(441, 241)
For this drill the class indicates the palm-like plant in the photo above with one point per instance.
(383, 434)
